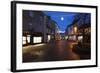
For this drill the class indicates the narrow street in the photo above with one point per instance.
(53, 51)
(56, 36)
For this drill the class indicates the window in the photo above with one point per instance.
(37, 39)
(49, 37)
(66, 37)
(24, 40)
(80, 38)
(74, 37)
(75, 29)
(28, 38)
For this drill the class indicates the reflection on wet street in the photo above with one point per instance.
(53, 51)
(61, 50)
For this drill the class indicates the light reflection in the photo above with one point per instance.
(30, 46)
(39, 45)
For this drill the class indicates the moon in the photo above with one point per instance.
(62, 18)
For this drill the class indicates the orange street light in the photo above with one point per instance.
(75, 29)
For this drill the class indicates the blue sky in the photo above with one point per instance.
(61, 18)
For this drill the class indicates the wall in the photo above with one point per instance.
(5, 37)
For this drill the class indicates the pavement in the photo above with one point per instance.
(60, 50)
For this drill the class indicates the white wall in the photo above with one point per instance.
(5, 36)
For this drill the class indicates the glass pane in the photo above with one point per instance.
(37, 39)
(28, 38)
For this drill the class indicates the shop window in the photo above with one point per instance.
(37, 39)
(66, 37)
(24, 40)
(49, 37)
(80, 38)
(28, 38)
(74, 37)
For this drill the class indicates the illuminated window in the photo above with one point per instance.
(70, 37)
(80, 38)
(28, 38)
(49, 37)
(37, 39)
(24, 40)
(66, 37)
(74, 37)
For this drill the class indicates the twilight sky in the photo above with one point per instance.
(61, 18)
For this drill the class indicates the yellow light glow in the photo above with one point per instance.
(75, 29)
(39, 45)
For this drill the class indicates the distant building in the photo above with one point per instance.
(37, 27)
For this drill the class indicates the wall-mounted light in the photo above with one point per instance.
(75, 29)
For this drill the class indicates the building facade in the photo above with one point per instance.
(37, 27)
(80, 29)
